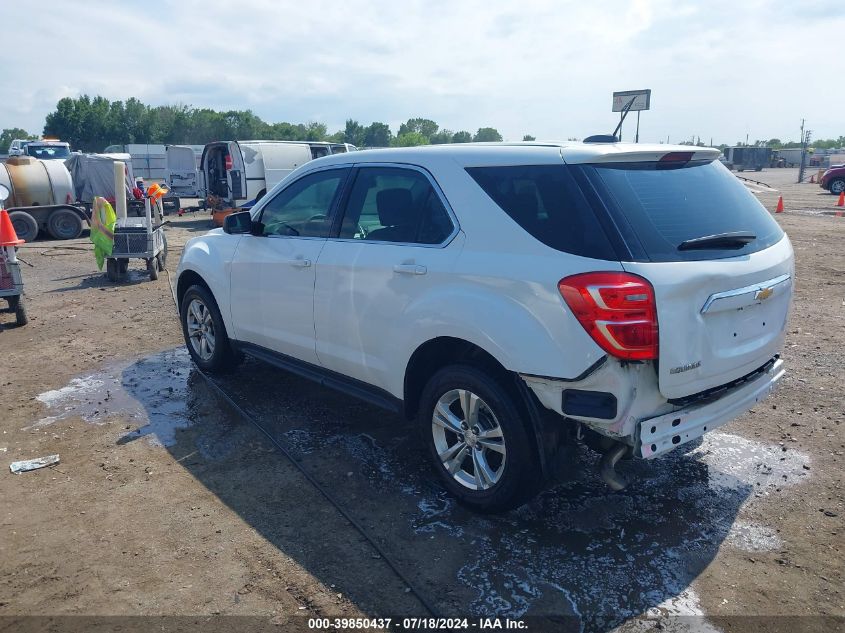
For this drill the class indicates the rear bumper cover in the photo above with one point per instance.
(663, 433)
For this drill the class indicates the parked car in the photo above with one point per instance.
(17, 146)
(508, 298)
(239, 172)
(833, 179)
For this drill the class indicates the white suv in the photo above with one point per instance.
(507, 297)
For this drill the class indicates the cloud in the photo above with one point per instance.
(546, 67)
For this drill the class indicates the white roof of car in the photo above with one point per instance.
(51, 142)
(524, 153)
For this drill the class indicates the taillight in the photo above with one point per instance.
(228, 162)
(618, 311)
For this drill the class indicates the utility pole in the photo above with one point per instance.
(805, 142)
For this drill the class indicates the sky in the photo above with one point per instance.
(717, 69)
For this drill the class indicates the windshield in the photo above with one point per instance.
(658, 206)
(48, 152)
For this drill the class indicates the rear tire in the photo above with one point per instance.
(152, 268)
(25, 225)
(484, 459)
(64, 224)
(201, 321)
(116, 269)
(17, 304)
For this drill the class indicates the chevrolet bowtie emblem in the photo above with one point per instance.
(764, 293)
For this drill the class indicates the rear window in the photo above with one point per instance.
(664, 207)
(546, 202)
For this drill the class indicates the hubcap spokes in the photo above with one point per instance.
(200, 329)
(468, 439)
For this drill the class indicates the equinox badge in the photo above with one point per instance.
(687, 367)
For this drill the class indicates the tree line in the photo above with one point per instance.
(91, 124)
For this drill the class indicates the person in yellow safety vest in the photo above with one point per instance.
(103, 219)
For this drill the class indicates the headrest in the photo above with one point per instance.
(395, 207)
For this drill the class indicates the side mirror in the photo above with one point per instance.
(238, 223)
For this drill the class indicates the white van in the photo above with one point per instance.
(243, 171)
(149, 161)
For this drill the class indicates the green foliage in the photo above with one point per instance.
(462, 137)
(354, 133)
(410, 139)
(10, 134)
(425, 127)
(486, 135)
(528, 137)
(377, 135)
(443, 136)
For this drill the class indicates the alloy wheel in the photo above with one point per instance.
(468, 439)
(200, 329)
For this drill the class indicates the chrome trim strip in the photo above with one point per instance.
(771, 283)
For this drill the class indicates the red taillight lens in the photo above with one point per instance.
(228, 160)
(617, 310)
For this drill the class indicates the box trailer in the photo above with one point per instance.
(747, 158)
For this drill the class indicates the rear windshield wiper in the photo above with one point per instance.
(737, 239)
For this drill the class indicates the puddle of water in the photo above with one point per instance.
(579, 549)
(752, 537)
(95, 398)
(150, 393)
(737, 461)
(576, 549)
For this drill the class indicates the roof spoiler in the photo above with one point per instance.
(601, 138)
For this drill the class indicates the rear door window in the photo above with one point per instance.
(546, 202)
(665, 205)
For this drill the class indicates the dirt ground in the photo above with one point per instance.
(167, 501)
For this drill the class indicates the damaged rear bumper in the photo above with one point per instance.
(663, 433)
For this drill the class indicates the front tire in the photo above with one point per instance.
(478, 440)
(204, 331)
(837, 186)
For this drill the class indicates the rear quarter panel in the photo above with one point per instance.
(503, 295)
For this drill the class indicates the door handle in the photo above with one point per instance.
(300, 263)
(410, 269)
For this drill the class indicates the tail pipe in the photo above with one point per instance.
(607, 467)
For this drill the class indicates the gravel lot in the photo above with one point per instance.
(168, 502)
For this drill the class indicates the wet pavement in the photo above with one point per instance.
(577, 549)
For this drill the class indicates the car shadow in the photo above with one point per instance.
(136, 274)
(578, 551)
(201, 224)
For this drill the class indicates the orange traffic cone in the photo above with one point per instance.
(841, 202)
(813, 179)
(8, 237)
(780, 205)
